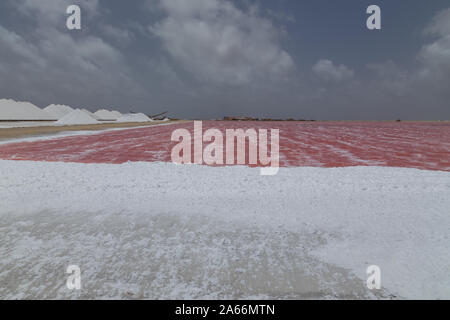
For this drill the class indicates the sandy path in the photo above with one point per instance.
(10, 133)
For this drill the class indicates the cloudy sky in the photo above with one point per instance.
(212, 58)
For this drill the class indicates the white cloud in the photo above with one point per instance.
(220, 43)
(440, 24)
(431, 78)
(431, 74)
(13, 46)
(54, 60)
(436, 56)
(325, 70)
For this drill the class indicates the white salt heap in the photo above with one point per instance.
(15, 110)
(77, 116)
(116, 114)
(90, 113)
(134, 117)
(58, 110)
(103, 114)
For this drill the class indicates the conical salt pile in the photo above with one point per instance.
(134, 117)
(77, 116)
(58, 110)
(15, 110)
(103, 114)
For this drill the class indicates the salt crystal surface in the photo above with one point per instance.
(16, 110)
(134, 117)
(77, 116)
(103, 114)
(58, 110)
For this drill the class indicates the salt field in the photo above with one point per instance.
(142, 228)
(422, 145)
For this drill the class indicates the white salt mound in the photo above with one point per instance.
(103, 114)
(15, 110)
(90, 113)
(58, 110)
(116, 114)
(134, 117)
(77, 116)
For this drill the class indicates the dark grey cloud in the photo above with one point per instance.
(210, 58)
(51, 64)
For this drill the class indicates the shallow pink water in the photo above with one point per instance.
(423, 145)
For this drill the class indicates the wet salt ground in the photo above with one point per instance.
(160, 230)
(422, 145)
(164, 256)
